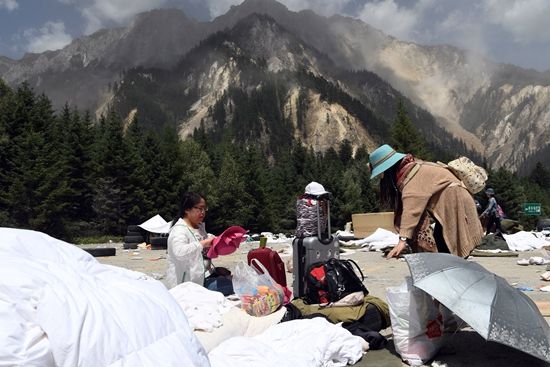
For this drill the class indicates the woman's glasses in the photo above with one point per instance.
(201, 209)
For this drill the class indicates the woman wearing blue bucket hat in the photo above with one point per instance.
(420, 193)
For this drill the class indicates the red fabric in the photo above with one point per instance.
(288, 295)
(319, 274)
(228, 242)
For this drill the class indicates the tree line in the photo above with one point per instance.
(70, 176)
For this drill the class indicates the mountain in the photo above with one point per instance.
(499, 110)
(257, 82)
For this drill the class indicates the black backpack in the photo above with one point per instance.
(332, 280)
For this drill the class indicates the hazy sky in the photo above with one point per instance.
(510, 31)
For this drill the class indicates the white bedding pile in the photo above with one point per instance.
(59, 306)
(525, 241)
(233, 338)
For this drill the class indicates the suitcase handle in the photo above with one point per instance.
(328, 239)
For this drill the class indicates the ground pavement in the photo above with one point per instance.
(465, 348)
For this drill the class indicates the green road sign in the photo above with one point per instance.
(531, 208)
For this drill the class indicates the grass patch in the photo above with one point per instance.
(97, 239)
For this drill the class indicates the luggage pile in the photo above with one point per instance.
(319, 245)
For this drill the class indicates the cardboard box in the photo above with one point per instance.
(366, 224)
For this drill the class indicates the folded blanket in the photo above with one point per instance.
(493, 241)
(204, 308)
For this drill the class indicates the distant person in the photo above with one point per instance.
(420, 193)
(492, 213)
(188, 245)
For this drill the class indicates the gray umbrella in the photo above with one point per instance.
(493, 308)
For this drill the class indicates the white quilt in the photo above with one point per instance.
(60, 307)
(298, 343)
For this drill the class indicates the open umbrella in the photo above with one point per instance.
(493, 308)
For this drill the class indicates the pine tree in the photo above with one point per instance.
(171, 183)
(283, 193)
(7, 102)
(54, 212)
(197, 172)
(350, 195)
(305, 167)
(150, 153)
(255, 175)
(80, 144)
(233, 204)
(36, 187)
(405, 137)
(541, 176)
(345, 152)
(331, 178)
(110, 164)
(137, 199)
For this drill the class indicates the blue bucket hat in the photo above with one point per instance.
(490, 191)
(382, 159)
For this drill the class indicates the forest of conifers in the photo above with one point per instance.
(65, 174)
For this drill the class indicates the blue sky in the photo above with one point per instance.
(510, 31)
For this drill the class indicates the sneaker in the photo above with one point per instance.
(536, 260)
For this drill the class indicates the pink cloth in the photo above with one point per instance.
(228, 242)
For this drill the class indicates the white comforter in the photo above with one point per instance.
(60, 307)
(299, 343)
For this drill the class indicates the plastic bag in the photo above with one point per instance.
(416, 322)
(260, 295)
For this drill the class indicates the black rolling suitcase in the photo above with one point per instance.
(312, 249)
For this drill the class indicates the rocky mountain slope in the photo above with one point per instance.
(257, 82)
(498, 109)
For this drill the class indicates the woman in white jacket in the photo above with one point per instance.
(188, 245)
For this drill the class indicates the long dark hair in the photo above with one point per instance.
(389, 194)
(188, 200)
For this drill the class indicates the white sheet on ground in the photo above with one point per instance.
(525, 241)
(157, 224)
(379, 239)
(60, 306)
(297, 343)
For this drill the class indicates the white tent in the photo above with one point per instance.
(156, 224)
